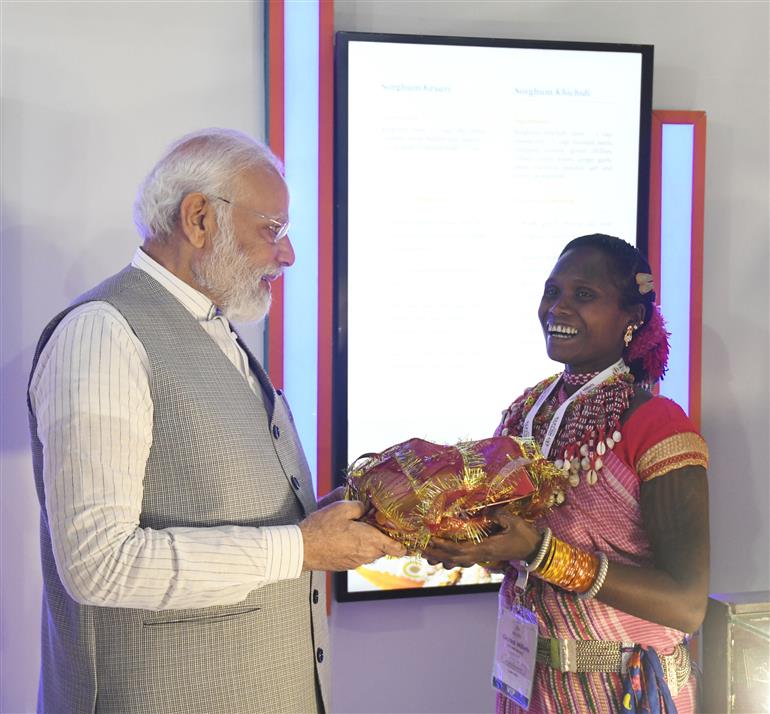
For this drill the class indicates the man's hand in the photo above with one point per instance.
(335, 540)
(332, 497)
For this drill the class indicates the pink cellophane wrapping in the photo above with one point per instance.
(417, 489)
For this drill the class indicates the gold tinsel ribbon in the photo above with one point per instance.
(416, 490)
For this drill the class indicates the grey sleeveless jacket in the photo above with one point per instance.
(245, 467)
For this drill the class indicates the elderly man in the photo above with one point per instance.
(180, 535)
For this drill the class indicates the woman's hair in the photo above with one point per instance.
(207, 161)
(647, 355)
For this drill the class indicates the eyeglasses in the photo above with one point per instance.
(276, 228)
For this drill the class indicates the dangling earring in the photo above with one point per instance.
(629, 335)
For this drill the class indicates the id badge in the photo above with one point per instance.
(515, 651)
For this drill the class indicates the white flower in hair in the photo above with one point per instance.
(645, 283)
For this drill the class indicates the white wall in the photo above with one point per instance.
(711, 56)
(92, 92)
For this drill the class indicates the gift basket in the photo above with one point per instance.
(416, 490)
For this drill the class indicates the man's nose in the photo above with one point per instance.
(286, 252)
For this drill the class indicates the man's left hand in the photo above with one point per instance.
(338, 494)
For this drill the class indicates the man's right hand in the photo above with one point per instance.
(334, 539)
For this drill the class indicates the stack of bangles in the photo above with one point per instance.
(569, 568)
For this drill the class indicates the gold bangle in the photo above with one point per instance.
(568, 567)
(553, 567)
(547, 559)
(599, 580)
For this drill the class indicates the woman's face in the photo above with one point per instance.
(583, 322)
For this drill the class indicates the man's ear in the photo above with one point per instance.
(197, 219)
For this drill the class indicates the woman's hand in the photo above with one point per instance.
(517, 540)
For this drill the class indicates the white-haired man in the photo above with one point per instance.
(179, 530)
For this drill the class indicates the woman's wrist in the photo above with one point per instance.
(536, 557)
(568, 567)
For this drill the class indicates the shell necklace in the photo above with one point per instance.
(593, 425)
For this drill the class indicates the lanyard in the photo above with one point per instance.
(618, 368)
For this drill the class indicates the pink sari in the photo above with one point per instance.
(606, 517)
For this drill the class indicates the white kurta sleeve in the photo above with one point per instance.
(91, 397)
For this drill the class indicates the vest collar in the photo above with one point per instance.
(195, 302)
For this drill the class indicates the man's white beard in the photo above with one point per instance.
(227, 273)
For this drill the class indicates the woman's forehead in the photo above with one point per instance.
(584, 263)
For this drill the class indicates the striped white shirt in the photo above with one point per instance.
(91, 396)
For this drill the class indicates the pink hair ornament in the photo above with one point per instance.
(650, 346)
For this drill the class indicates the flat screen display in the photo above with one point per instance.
(462, 168)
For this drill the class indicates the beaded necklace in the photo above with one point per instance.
(577, 379)
(591, 423)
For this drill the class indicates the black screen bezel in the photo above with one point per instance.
(340, 289)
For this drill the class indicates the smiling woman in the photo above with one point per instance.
(621, 567)
(582, 313)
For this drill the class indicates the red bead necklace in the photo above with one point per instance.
(591, 424)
